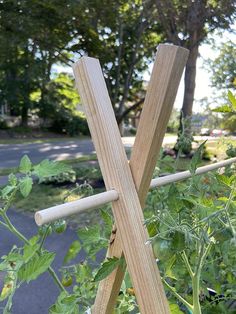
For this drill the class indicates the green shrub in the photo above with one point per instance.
(3, 124)
(69, 123)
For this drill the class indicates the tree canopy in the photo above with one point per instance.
(37, 35)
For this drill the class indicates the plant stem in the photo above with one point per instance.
(196, 290)
(20, 236)
(3, 224)
(181, 299)
(185, 259)
(44, 237)
(12, 228)
(56, 279)
(196, 277)
(226, 209)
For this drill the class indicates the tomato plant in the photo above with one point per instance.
(192, 229)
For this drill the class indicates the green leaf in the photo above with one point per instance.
(30, 249)
(25, 164)
(74, 249)
(232, 100)
(196, 158)
(174, 309)
(107, 268)
(178, 241)
(224, 179)
(223, 109)
(12, 179)
(174, 201)
(89, 235)
(7, 190)
(26, 184)
(49, 168)
(107, 218)
(35, 267)
(169, 266)
(66, 304)
(108, 222)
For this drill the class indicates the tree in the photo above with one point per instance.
(40, 34)
(223, 78)
(187, 24)
(34, 35)
(123, 35)
(223, 67)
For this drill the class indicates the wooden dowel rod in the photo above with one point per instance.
(186, 174)
(95, 201)
(75, 207)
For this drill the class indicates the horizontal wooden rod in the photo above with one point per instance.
(157, 182)
(64, 210)
(61, 211)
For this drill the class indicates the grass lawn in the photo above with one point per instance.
(41, 140)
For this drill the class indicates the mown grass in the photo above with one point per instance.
(28, 140)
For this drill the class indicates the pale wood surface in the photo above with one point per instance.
(64, 210)
(186, 174)
(117, 175)
(161, 93)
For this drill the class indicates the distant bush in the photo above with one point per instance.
(70, 123)
(3, 124)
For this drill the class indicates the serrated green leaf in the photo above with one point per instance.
(49, 168)
(108, 222)
(107, 218)
(232, 100)
(89, 235)
(107, 268)
(30, 249)
(12, 179)
(174, 309)
(174, 201)
(26, 184)
(74, 249)
(223, 109)
(224, 179)
(35, 267)
(7, 190)
(169, 266)
(66, 304)
(196, 158)
(25, 164)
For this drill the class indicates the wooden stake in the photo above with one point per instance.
(117, 175)
(168, 67)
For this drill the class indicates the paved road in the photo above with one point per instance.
(37, 296)
(10, 154)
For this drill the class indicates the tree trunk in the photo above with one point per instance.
(24, 116)
(189, 82)
(184, 141)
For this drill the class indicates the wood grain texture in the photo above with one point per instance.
(117, 175)
(168, 67)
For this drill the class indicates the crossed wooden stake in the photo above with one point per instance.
(127, 183)
(131, 179)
